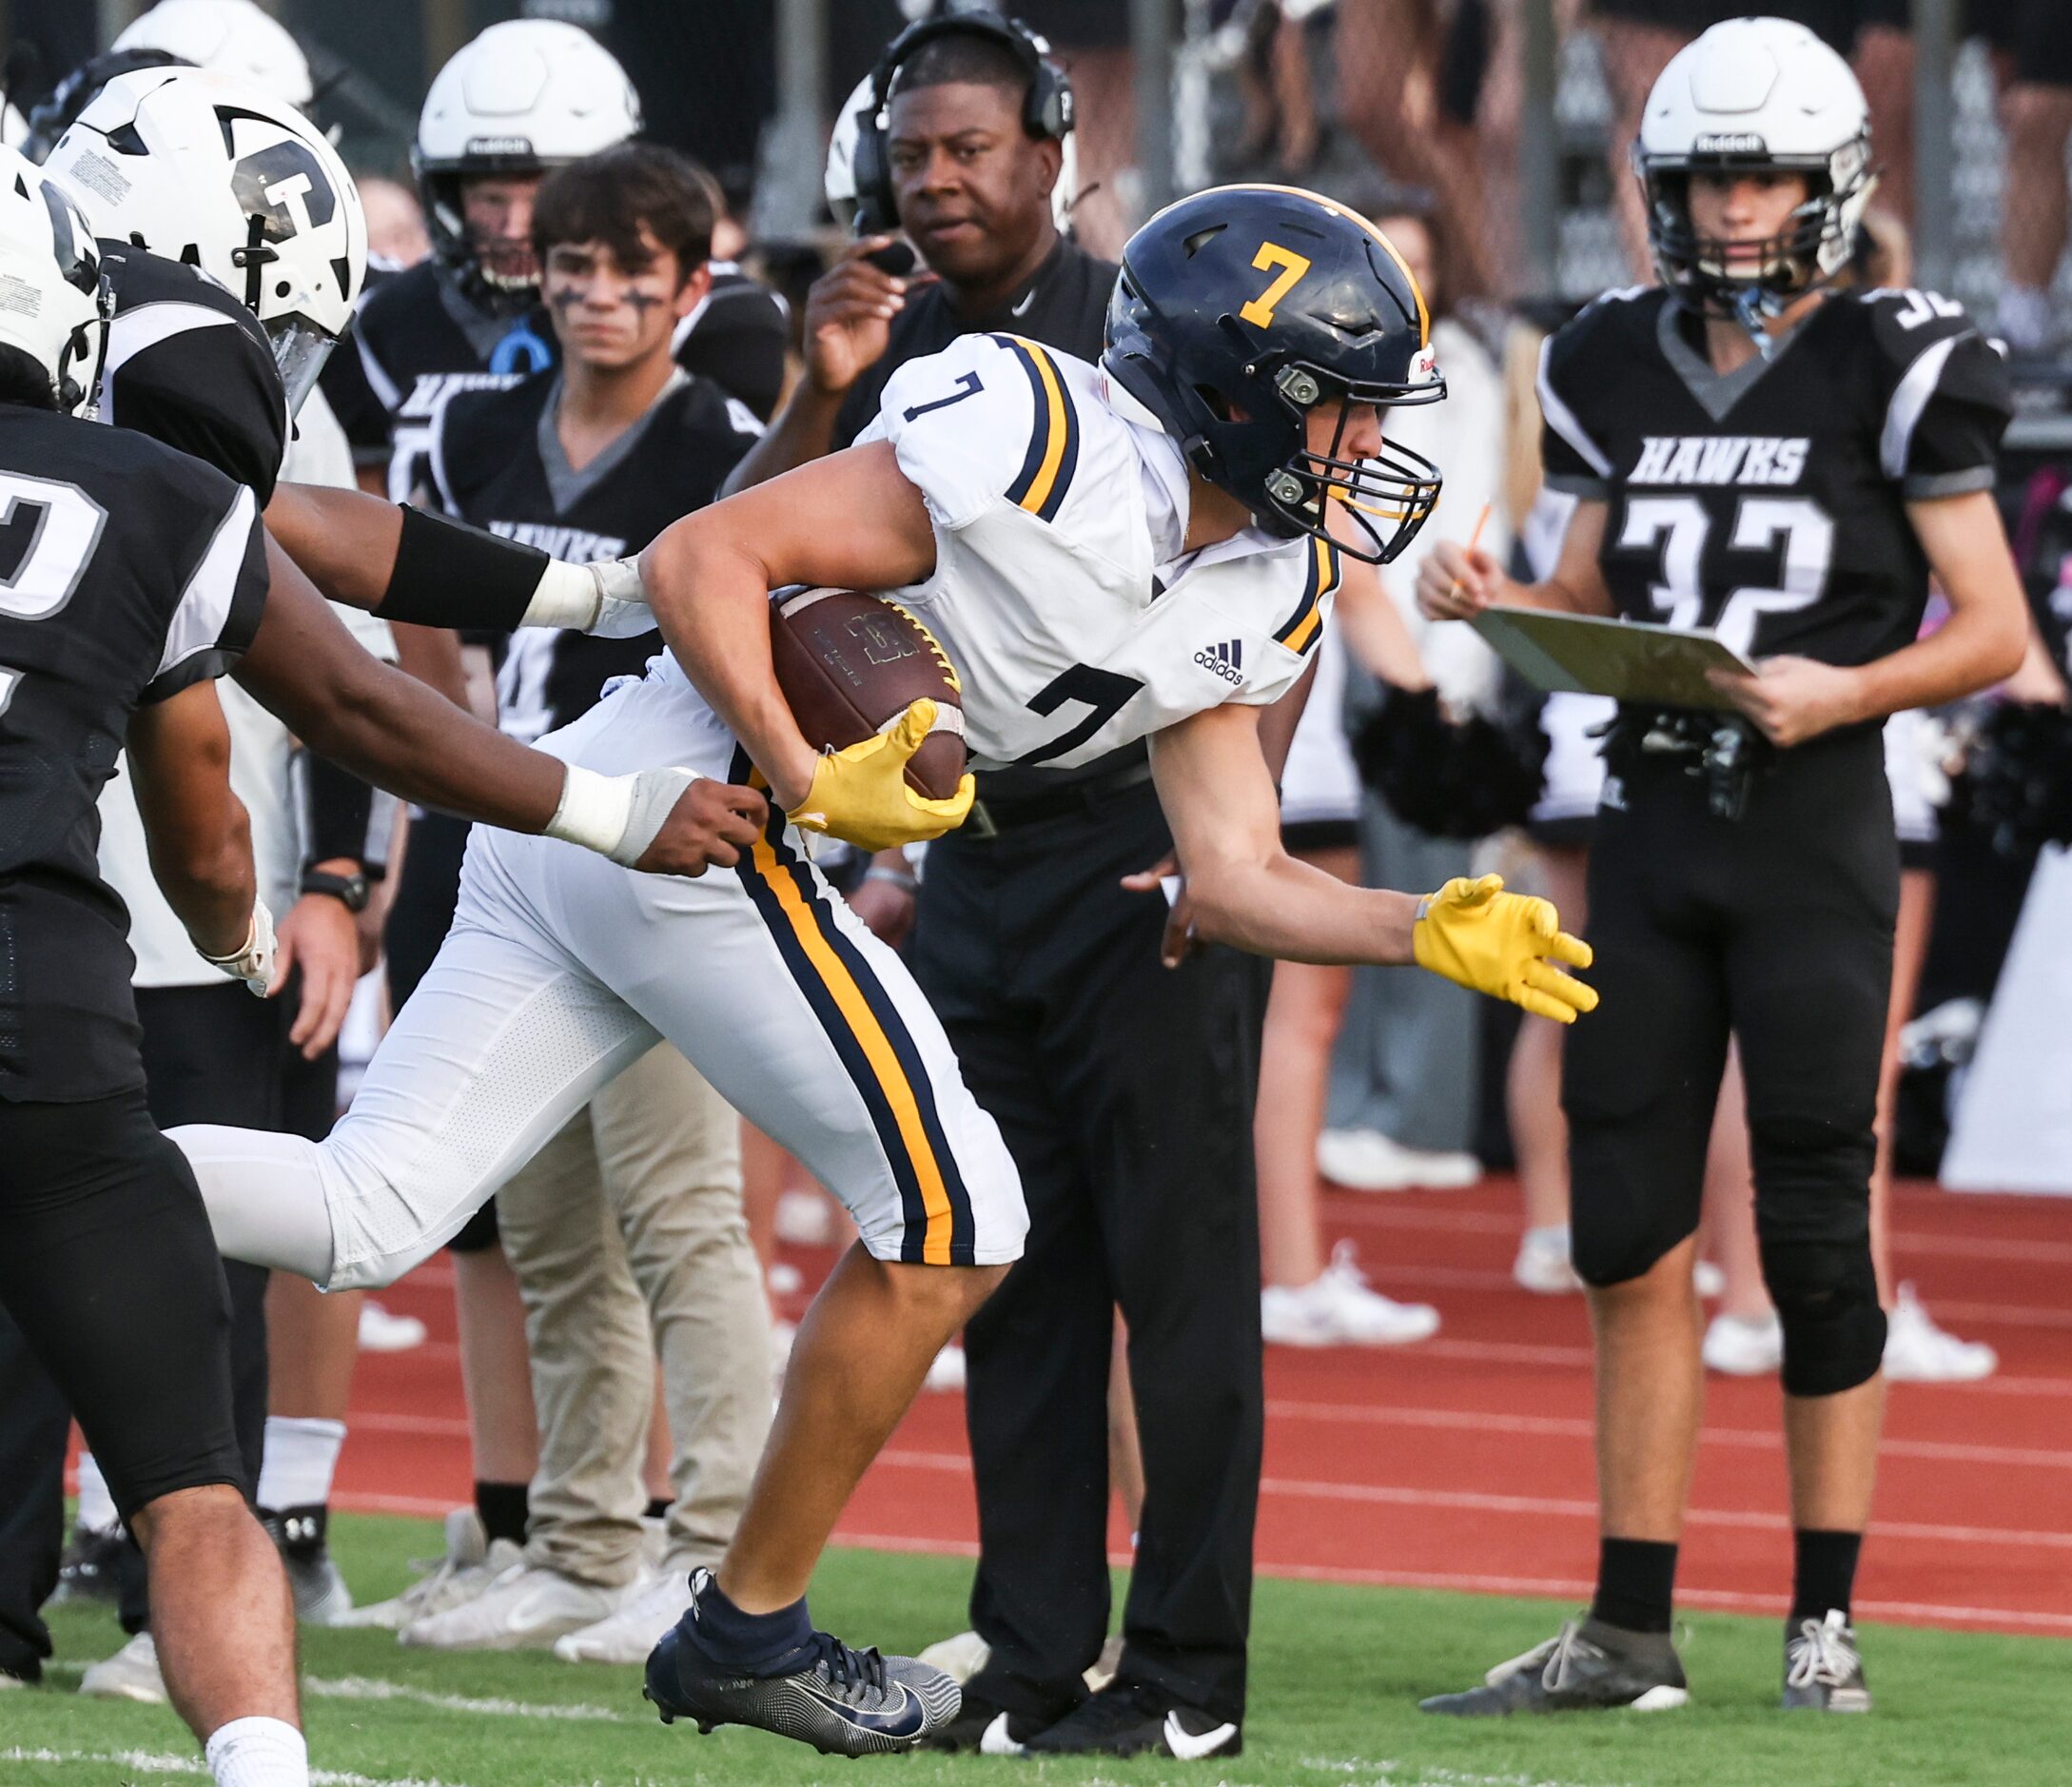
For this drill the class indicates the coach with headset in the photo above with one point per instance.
(1124, 1090)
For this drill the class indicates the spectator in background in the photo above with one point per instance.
(1090, 39)
(1403, 1105)
(2032, 40)
(396, 231)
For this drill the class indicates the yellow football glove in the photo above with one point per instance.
(861, 795)
(1502, 944)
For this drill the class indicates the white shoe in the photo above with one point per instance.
(1707, 1279)
(946, 1370)
(381, 1330)
(1101, 1670)
(1543, 1265)
(1340, 1310)
(959, 1657)
(525, 1608)
(1365, 1159)
(1916, 1352)
(131, 1673)
(629, 1635)
(1744, 1346)
(471, 1563)
(803, 1218)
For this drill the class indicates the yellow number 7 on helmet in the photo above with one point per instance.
(1293, 265)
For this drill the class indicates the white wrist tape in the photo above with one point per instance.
(252, 961)
(566, 595)
(617, 815)
(604, 598)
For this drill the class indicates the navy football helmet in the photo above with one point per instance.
(1241, 308)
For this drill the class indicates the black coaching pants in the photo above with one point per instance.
(1125, 1091)
(1776, 928)
(211, 1054)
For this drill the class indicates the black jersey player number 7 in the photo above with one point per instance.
(1680, 528)
(47, 533)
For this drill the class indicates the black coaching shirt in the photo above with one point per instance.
(1064, 305)
(1768, 504)
(128, 572)
(496, 461)
(417, 340)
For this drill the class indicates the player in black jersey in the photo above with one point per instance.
(1784, 463)
(132, 576)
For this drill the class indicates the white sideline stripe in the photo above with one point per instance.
(369, 1502)
(394, 1421)
(166, 1764)
(1560, 1507)
(1582, 1427)
(1726, 1601)
(1389, 1772)
(370, 1688)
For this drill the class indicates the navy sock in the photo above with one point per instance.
(659, 1507)
(503, 1508)
(1636, 1581)
(755, 1643)
(1823, 1572)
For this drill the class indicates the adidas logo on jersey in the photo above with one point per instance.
(1226, 660)
(1720, 459)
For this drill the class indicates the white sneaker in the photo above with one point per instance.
(1365, 1159)
(381, 1330)
(131, 1673)
(1744, 1346)
(803, 1218)
(1103, 1669)
(946, 1370)
(1916, 1352)
(959, 1657)
(1340, 1310)
(524, 1609)
(471, 1563)
(629, 1635)
(1543, 1265)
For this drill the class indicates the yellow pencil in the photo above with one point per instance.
(1480, 522)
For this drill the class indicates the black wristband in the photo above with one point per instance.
(450, 574)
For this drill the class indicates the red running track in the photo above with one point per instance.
(1465, 1463)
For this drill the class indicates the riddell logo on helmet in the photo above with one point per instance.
(1729, 143)
(500, 146)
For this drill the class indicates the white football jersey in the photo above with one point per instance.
(1071, 631)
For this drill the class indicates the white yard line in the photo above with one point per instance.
(374, 1688)
(153, 1762)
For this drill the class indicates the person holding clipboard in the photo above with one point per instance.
(1782, 462)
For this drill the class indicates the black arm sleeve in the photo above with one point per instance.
(451, 575)
(338, 817)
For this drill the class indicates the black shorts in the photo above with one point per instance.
(2035, 35)
(1777, 927)
(107, 1265)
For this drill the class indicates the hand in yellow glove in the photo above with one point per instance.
(1502, 944)
(861, 795)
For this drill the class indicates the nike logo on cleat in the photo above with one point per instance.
(1190, 1746)
(901, 1723)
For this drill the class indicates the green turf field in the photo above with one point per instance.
(1337, 1674)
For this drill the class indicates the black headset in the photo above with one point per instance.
(1047, 104)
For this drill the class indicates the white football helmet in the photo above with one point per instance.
(53, 297)
(228, 37)
(231, 180)
(1762, 95)
(524, 97)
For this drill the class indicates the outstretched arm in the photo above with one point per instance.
(1247, 891)
(392, 731)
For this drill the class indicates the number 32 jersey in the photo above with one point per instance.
(1059, 591)
(1768, 504)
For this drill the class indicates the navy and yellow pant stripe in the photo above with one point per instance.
(871, 1040)
(1053, 444)
(1304, 627)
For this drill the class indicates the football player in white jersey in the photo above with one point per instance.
(1146, 547)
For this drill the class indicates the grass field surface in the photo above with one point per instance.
(1335, 1677)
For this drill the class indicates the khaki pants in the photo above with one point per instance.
(627, 1237)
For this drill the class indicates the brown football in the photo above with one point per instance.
(849, 665)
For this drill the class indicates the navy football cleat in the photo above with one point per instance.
(1590, 1665)
(842, 1701)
